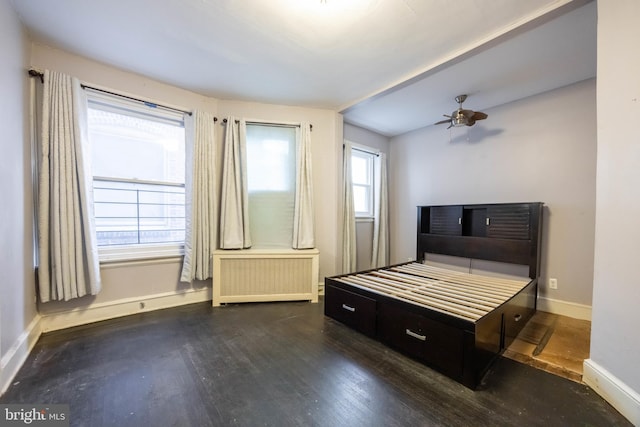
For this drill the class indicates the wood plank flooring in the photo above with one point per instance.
(276, 364)
(553, 343)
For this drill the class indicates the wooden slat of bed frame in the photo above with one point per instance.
(440, 288)
(475, 291)
(472, 291)
(463, 295)
(422, 291)
(460, 277)
(408, 296)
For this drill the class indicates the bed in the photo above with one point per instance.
(455, 322)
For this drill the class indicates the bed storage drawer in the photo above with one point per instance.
(356, 311)
(517, 312)
(435, 343)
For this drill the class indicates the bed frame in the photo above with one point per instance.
(406, 313)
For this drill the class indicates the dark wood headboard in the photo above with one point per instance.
(503, 232)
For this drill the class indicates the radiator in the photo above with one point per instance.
(256, 275)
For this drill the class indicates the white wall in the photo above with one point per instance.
(615, 344)
(127, 283)
(364, 229)
(17, 288)
(539, 149)
(366, 137)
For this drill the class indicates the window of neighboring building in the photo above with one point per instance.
(271, 183)
(138, 163)
(362, 170)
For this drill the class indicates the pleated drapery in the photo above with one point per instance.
(303, 221)
(68, 251)
(380, 252)
(234, 205)
(348, 216)
(200, 200)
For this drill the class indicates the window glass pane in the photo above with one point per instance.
(270, 158)
(139, 173)
(360, 199)
(131, 213)
(271, 168)
(130, 147)
(360, 169)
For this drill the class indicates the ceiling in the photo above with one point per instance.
(388, 65)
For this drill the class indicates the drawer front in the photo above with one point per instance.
(437, 344)
(516, 314)
(356, 311)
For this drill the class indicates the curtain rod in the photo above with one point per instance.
(35, 73)
(147, 103)
(362, 150)
(267, 124)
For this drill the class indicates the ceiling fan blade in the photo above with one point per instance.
(468, 113)
(442, 121)
(478, 115)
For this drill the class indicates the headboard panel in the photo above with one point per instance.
(505, 232)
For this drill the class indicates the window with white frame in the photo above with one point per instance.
(271, 183)
(138, 163)
(362, 175)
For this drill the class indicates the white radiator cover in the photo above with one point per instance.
(257, 275)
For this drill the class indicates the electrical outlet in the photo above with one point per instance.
(553, 283)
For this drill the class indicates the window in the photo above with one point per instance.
(362, 170)
(138, 163)
(271, 182)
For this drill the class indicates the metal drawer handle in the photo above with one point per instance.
(517, 317)
(418, 336)
(346, 307)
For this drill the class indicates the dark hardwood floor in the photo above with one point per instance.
(276, 364)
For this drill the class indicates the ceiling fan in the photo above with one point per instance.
(462, 117)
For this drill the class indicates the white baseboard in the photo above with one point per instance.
(614, 391)
(12, 361)
(119, 308)
(321, 288)
(564, 308)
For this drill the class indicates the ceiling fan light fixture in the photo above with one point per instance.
(459, 119)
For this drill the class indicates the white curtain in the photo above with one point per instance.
(68, 252)
(200, 233)
(234, 206)
(380, 253)
(303, 222)
(348, 216)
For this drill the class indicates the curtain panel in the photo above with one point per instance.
(303, 221)
(200, 200)
(348, 215)
(67, 245)
(234, 205)
(380, 249)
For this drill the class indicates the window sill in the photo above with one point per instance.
(364, 219)
(120, 254)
